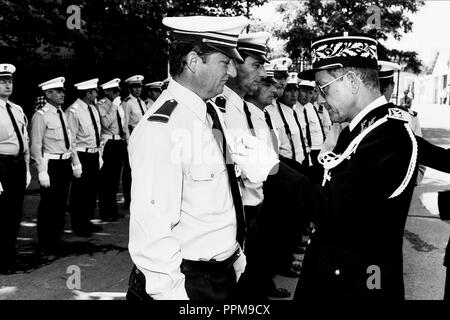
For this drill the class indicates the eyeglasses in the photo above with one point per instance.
(320, 88)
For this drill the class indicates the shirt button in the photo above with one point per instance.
(337, 272)
(152, 202)
(212, 175)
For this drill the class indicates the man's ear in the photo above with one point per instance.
(192, 61)
(355, 83)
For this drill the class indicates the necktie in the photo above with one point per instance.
(320, 122)
(287, 129)
(238, 207)
(119, 122)
(140, 106)
(302, 138)
(249, 119)
(308, 132)
(94, 122)
(66, 137)
(343, 141)
(16, 128)
(272, 131)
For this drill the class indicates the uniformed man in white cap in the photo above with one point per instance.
(293, 143)
(309, 119)
(134, 108)
(281, 73)
(113, 135)
(14, 169)
(84, 124)
(52, 150)
(186, 209)
(153, 91)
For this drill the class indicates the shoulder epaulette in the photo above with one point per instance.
(102, 101)
(221, 103)
(126, 99)
(164, 112)
(43, 110)
(73, 108)
(396, 114)
(409, 110)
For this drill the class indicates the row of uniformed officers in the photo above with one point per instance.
(81, 149)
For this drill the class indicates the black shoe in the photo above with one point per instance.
(290, 273)
(83, 233)
(279, 293)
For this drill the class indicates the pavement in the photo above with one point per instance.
(98, 268)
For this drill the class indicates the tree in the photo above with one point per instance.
(314, 18)
(117, 38)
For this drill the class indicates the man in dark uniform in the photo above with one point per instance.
(14, 169)
(52, 151)
(361, 207)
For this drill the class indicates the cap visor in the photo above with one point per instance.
(258, 56)
(228, 51)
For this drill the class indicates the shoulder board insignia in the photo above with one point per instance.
(221, 103)
(43, 110)
(126, 99)
(102, 101)
(396, 114)
(164, 112)
(409, 110)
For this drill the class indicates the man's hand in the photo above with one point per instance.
(239, 265)
(254, 158)
(44, 179)
(77, 171)
(28, 179)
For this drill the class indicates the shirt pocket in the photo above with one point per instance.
(86, 126)
(54, 131)
(202, 172)
(6, 130)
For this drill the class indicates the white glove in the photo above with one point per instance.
(254, 158)
(77, 171)
(28, 179)
(44, 179)
(239, 265)
(1, 188)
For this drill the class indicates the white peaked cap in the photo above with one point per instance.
(154, 85)
(293, 78)
(307, 83)
(7, 69)
(281, 64)
(86, 85)
(134, 79)
(56, 83)
(111, 84)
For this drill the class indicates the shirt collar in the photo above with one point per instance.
(371, 106)
(51, 107)
(182, 94)
(82, 103)
(3, 103)
(116, 100)
(233, 98)
(257, 112)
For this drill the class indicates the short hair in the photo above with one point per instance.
(180, 50)
(386, 82)
(369, 77)
(82, 93)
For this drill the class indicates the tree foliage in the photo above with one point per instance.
(118, 38)
(319, 17)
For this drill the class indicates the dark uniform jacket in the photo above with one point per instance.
(358, 225)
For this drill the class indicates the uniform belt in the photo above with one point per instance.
(11, 157)
(210, 265)
(112, 137)
(59, 156)
(88, 150)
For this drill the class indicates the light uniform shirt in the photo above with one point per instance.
(314, 124)
(324, 117)
(149, 102)
(262, 129)
(236, 123)
(9, 144)
(133, 112)
(108, 117)
(81, 125)
(285, 144)
(181, 206)
(47, 135)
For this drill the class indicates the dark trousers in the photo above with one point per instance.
(204, 281)
(52, 207)
(447, 284)
(83, 194)
(126, 180)
(113, 155)
(13, 179)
